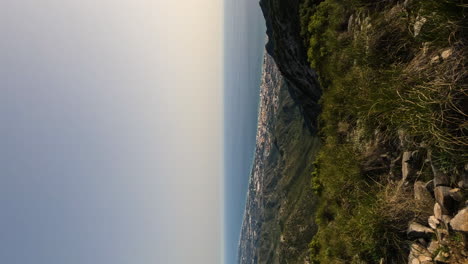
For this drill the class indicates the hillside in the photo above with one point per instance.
(381, 88)
(280, 204)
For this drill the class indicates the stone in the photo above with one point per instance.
(420, 21)
(419, 255)
(433, 222)
(460, 221)
(416, 231)
(442, 196)
(433, 246)
(404, 164)
(421, 193)
(437, 211)
(456, 194)
(446, 53)
(435, 59)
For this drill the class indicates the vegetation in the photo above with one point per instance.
(394, 78)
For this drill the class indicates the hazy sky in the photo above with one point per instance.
(244, 40)
(111, 131)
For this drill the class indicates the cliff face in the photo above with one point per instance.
(285, 46)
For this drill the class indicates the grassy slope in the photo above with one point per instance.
(381, 82)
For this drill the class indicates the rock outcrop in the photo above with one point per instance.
(286, 47)
(460, 221)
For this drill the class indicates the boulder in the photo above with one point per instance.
(442, 196)
(433, 222)
(416, 231)
(421, 193)
(460, 221)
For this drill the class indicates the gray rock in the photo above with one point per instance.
(421, 193)
(437, 211)
(460, 221)
(446, 54)
(420, 21)
(442, 196)
(435, 59)
(433, 222)
(416, 231)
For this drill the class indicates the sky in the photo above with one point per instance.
(244, 41)
(111, 131)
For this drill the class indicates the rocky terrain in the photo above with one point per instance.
(442, 237)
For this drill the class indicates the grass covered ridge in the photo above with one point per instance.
(394, 78)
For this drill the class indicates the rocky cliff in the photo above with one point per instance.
(285, 46)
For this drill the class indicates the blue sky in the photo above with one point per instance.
(111, 131)
(122, 124)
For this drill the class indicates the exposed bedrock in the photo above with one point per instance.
(286, 47)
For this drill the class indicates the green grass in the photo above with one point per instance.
(380, 79)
